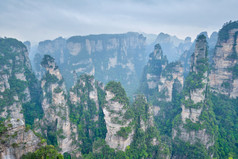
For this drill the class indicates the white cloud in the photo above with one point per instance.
(41, 19)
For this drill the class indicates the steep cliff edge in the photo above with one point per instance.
(191, 118)
(147, 137)
(162, 83)
(18, 86)
(195, 124)
(93, 115)
(130, 128)
(185, 56)
(159, 76)
(223, 77)
(17, 140)
(118, 57)
(18, 100)
(87, 98)
(55, 124)
(117, 117)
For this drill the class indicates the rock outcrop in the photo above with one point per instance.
(117, 121)
(17, 91)
(86, 102)
(223, 77)
(145, 131)
(172, 72)
(55, 124)
(14, 88)
(185, 56)
(190, 126)
(186, 118)
(18, 140)
(159, 76)
(102, 56)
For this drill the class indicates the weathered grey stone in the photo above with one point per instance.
(222, 65)
(19, 141)
(110, 112)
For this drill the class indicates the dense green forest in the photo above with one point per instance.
(155, 124)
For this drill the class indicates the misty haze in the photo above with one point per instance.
(129, 79)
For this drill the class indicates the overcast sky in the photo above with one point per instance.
(38, 20)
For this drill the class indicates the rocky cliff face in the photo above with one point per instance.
(17, 91)
(185, 56)
(159, 75)
(14, 89)
(160, 82)
(172, 72)
(90, 120)
(191, 126)
(223, 77)
(145, 130)
(86, 102)
(104, 115)
(91, 113)
(153, 69)
(116, 118)
(55, 124)
(18, 140)
(86, 86)
(103, 56)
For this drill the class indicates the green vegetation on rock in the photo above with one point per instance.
(3, 128)
(224, 32)
(119, 92)
(45, 152)
(124, 132)
(226, 113)
(83, 114)
(47, 59)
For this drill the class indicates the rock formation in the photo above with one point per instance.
(159, 75)
(86, 101)
(191, 118)
(190, 126)
(102, 56)
(17, 88)
(223, 77)
(15, 65)
(185, 56)
(18, 140)
(55, 124)
(116, 117)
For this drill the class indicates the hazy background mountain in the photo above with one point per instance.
(118, 79)
(119, 57)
